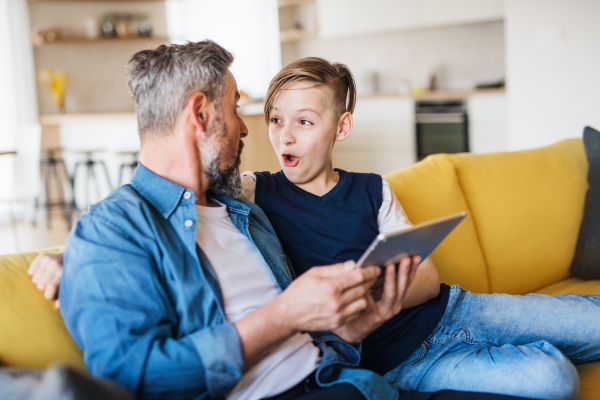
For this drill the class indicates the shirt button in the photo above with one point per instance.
(187, 195)
(189, 223)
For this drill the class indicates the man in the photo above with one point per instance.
(173, 289)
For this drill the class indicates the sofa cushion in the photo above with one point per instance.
(430, 190)
(32, 333)
(586, 262)
(527, 207)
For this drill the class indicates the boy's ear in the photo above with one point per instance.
(198, 108)
(344, 128)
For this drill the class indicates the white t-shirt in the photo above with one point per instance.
(391, 216)
(247, 284)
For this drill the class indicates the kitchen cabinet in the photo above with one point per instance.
(448, 12)
(383, 138)
(488, 130)
(339, 18)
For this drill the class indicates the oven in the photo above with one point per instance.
(441, 127)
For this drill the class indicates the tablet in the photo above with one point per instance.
(420, 240)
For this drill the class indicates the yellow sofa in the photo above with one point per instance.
(524, 209)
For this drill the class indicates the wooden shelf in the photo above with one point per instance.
(81, 40)
(289, 3)
(292, 35)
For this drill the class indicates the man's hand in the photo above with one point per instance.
(323, 298)
(389, 301)
(46, 271)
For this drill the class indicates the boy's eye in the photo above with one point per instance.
(305, 122)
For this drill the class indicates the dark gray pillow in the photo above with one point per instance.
(586, 263)
(56, 383)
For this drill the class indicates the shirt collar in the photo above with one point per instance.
(164, 194)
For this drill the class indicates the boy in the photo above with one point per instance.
(322, 214)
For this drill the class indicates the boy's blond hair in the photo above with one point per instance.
(336, 77)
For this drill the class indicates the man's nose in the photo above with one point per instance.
(243, 128)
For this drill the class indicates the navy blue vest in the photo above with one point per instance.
(322, 230)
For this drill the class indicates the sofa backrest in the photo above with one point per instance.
(525, 208)
(32, 333)
(428, 190)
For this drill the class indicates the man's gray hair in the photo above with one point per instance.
(162, 80)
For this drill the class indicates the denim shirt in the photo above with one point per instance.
(143, 303)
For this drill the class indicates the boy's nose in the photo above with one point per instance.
(286, 137)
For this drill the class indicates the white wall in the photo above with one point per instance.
(18, 110)
(487, 123)
(247, 28)
(553, 70)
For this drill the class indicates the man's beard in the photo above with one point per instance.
(223, 181)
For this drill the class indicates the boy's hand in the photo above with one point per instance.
(46, 272)
(387, 306)
(325, 298)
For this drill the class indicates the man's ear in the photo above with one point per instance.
(198, 108)
(344, 128)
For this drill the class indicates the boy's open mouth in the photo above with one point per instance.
(290, 160)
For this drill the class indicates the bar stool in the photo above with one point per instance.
(90, 164)
(51, 165)
(128, 165)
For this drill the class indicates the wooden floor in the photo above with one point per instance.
(30, 237)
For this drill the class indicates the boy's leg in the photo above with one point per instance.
(537, 370)
(486, 342)
(570, 322)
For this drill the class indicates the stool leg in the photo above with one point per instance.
(59, 186)
(73, 180)
(98, 188)
(90, 175)
(47, 190)
(110, 188)
(121, 174)
(66, 202)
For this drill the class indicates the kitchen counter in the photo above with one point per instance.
(59, 119)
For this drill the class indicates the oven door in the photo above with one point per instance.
(441, 133)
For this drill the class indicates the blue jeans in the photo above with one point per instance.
(499, 343)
